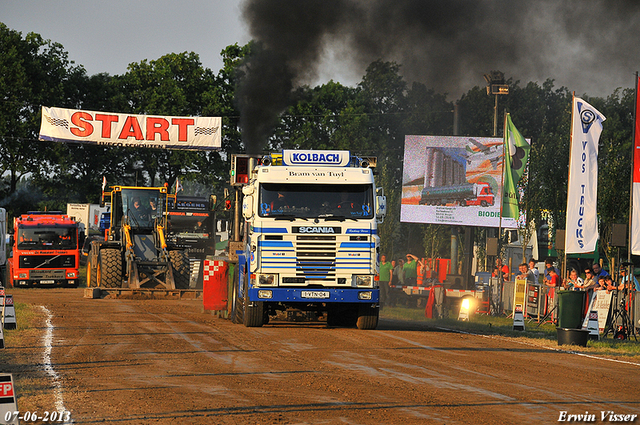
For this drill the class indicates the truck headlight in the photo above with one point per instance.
(267, 280)
(364, 280)
(365, 295)
(265, 294)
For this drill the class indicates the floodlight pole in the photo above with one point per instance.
(495, 118)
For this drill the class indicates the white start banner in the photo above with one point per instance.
(582, 197)
(127, 130)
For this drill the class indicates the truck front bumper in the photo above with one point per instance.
(315, 295)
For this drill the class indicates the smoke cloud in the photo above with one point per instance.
(588, 46)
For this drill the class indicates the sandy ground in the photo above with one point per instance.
(166, 362)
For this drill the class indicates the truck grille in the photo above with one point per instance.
(316, 257)
(46, 274)
(46, 261)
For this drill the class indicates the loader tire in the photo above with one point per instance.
(110, 264)
(92, 274)
(181, 270)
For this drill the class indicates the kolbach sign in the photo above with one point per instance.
(149, 131)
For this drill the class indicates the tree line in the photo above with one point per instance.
(371, 118)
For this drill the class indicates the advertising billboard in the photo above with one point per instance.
(453, 180)
(128, 130)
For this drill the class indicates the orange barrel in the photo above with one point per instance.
(215, 275)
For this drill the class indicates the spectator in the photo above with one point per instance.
(573, 282)
(548, 264)
(523, 270)
(625, 278)
(598, 272)
(534, 269)
(410, 270)
(606, 283)
(553, 281)
(589, 282)
(384, 280)
(500, 270)
(398, 272)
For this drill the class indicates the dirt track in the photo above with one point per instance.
(148, 362)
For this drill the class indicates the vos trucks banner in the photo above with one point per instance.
(453, 180)
(582, 191)
(147, 131)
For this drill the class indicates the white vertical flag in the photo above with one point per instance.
(634, 234)
(582, 197)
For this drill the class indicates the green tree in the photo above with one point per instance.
(34, 72)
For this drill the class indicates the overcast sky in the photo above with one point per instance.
(588, 46)
(106, 36)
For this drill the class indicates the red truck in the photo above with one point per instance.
(466, 194)
(44, 248)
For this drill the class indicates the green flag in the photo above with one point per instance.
(516, 155)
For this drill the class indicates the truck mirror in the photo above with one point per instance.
(247, 207)
(11, 240)
(381, 207)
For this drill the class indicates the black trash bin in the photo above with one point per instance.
(570, 309)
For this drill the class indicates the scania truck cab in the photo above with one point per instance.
(311, 240)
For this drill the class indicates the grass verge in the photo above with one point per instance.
(543, 335)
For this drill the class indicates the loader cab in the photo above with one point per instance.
(138, 207)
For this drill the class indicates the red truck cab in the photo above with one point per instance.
(44, 248)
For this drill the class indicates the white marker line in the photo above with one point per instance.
(48, 367)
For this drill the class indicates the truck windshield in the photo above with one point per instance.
(191, 224)
(47, 238)
(142, 207)
(353, 201)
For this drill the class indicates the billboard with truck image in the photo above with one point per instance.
(455, 180)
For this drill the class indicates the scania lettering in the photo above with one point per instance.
(315, 230)
(44, 250)
(311, 240)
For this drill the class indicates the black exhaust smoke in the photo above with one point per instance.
(589, 46)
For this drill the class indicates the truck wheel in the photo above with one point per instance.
(181, 270)
(484, 203)
(368, 316)
(110, 264)
(237, 303)
(342, 315)
(253, 312)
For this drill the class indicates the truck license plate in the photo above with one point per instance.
(314, 294)
(47, 282)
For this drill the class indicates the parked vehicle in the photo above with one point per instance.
(44, 249)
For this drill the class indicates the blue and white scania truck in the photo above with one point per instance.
(310, 239)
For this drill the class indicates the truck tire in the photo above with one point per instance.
(368, 316)
(344, 315)
(181, 271)
(109, 274)
(253, 312)
(237, 304)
